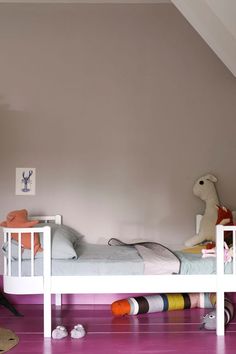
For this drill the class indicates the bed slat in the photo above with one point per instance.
(9, 254)
(5, 257)
(32, 253)
(233, 245)
(19, 254)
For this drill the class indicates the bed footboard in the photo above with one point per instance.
(225, 282)
(16, 283)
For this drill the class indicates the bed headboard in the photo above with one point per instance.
(57, 219)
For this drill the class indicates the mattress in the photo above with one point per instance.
(116, 260)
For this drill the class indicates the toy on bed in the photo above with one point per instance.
(225, 217)
(162, 302)
(209, 320)
(204, 188)
(19, 219)
(228, 253)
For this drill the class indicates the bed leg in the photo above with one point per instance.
(47, 315)
(47, 304)
(220, 314)
(58, 299)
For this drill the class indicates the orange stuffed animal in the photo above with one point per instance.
(225, 217)
(19, 218)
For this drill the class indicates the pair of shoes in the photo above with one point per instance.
(78, 331)
(61, 332)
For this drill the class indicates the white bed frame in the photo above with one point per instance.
(47, 284)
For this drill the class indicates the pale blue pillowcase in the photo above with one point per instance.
(64, 241)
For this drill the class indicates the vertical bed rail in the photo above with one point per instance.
(19, 253)
(58, 220)
(32, 254)
(9, 254)
(5, 257)
(47, 307)
(234, 258)
(220, 313)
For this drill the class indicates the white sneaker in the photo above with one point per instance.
(59, 332)
(78, 331)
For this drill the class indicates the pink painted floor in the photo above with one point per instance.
(170, 332)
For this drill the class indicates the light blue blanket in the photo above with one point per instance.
(195, 264)
(116, 260)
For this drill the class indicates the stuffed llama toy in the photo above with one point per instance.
(204, 188)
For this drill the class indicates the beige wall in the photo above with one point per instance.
(119, 108)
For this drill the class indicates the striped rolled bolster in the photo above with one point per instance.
(161, 302)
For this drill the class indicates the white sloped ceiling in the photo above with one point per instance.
(215, 21)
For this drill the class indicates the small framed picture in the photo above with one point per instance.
(25, 181)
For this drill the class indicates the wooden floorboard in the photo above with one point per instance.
(166, 332)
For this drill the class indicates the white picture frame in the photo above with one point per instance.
(25, 180)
